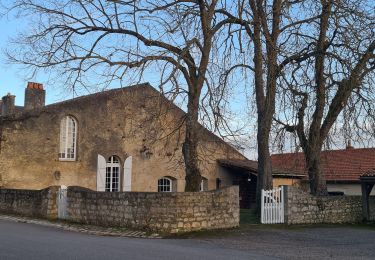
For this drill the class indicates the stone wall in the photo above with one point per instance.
(168, 212)
(372, 208)
(32, 203)
(303, 208)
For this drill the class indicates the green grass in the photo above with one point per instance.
(248, 217)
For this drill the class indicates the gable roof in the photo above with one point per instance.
(142, 87)
(337, 165)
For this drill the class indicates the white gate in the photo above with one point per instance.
(62, 202)
(272, 206)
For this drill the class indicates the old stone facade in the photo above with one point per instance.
(134, 133)
(168, 212)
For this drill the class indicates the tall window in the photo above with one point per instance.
(164, 185)
(112, 174)
(68, 139)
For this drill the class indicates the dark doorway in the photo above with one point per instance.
(247, 185)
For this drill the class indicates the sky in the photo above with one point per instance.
(13, 79)
(10, 80)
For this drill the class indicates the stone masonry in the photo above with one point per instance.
(166, 212)
(32, 203)
(134, 121)
(303, 208)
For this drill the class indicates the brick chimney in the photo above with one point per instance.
(349, 145)
(35, 96)
(8, 106)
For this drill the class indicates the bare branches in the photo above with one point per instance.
(332, 71)
(121, 40)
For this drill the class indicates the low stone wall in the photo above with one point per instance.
(372, 208)
(169, 212)
(32, 203)
(303, 208)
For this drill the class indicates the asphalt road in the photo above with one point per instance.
(343, 242)
(30, 241)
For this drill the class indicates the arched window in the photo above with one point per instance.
(68, 139)
(112, 174)
(165, 185)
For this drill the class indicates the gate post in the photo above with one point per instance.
(262, 208)
(62, 202)
(51, 202)
(285, 198)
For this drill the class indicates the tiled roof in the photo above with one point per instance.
(252, 166)
(369, 173)
(337, 165)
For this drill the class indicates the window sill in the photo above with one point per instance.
(67, 160)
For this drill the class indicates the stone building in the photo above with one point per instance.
(126, 139)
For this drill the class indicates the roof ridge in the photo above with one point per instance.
(327, 151)
(103, 92)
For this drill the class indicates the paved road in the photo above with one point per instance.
(324, 242)
(29, 241)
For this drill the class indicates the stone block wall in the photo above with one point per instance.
(32, 203)
(372, 208)
(167, 212)
(303, 208)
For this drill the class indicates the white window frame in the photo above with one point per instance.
(112, 166)
(163, 187)
(66, 133)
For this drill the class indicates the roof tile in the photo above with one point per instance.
(337, 165)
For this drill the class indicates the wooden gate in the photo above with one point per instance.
(272, 211)
(62, 202)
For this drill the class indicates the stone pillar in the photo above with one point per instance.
(35, 96)
(52, 202)
(8, 106)
(286, 209)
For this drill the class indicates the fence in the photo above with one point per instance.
(272, 203)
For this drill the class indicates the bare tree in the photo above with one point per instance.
(116, 38)
(267, 27)
(337, 75)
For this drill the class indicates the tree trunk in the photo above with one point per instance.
(264, 179)
(318, 184)
(190, 147)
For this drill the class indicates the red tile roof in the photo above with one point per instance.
(370, 173)
(337, 165)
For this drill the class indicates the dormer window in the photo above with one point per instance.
(68, 139)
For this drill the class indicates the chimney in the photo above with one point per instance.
(8, 106)
(349, 145)
(35, 96)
